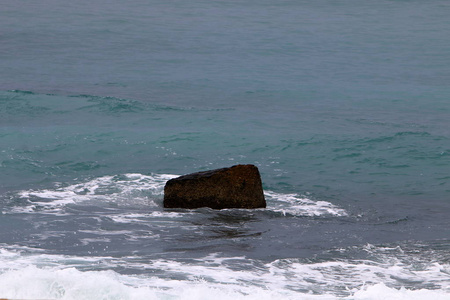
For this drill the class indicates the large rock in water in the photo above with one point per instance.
(235, 187)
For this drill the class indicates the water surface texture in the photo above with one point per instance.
(344, 106)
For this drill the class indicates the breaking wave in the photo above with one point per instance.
(138, 189)
(29, 274)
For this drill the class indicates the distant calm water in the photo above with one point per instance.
(343, 105)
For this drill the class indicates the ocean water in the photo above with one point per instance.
(344, 106)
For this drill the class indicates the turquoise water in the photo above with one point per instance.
(344, 107)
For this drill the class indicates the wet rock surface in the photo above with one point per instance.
(238, 186)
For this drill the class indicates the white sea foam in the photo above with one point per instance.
(139, 189)
(144, 217)
(382, 292)
(127, 189)
(30, 274)
(293, 204)
(70, 284)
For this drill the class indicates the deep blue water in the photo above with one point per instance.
(343, 106)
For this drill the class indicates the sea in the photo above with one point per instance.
(344, 106)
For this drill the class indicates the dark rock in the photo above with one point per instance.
(235, 187)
